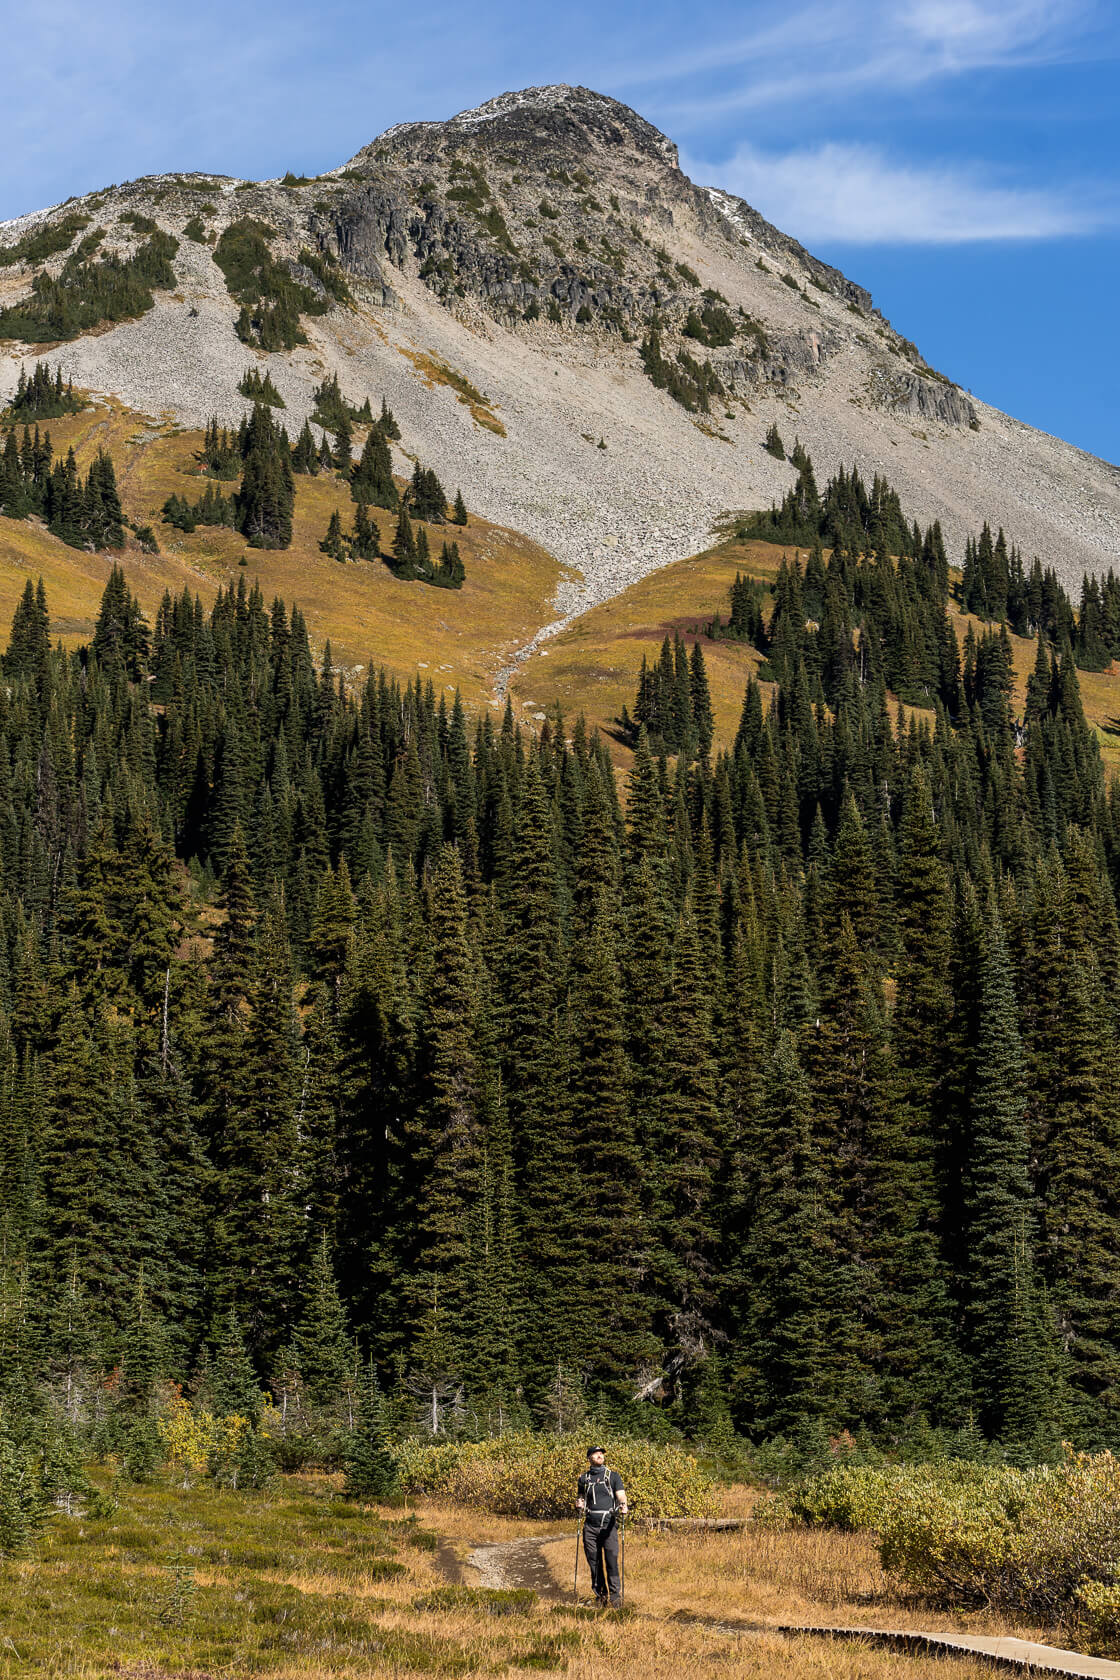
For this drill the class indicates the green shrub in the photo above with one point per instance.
(1034, 1541)
(535, 1475)
(855, 1496)
(1042, 1543)
(45, 242)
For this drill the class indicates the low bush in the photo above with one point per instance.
(227, 1449)
(1042, 1543)
(535, 1475)
(855, 1496)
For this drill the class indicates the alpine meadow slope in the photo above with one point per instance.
(591, 344)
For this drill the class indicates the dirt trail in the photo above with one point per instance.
(521, 1563)
(516, 1563)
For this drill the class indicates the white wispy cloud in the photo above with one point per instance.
(856, 194)
(833, 49)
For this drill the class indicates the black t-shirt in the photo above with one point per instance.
(598, 1488)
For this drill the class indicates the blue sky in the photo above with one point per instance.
(959, 157)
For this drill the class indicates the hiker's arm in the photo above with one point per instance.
(620, 1499)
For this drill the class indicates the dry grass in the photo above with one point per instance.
(300, 1585)
(707, 1575)
(455, 637)
(593, 666)
(776, 1576)
(434, 371)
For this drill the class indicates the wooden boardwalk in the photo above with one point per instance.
(1004, 1651)
(520, 1563)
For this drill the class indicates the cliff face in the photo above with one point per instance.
(546, 253)
(558, 200)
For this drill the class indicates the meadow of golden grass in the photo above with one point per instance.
(775, 1576)
(756, 1577)
(593, 666)
(455, 637)
(301, 1584)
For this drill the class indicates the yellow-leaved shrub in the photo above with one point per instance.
(535, 1475)
(198, 1442)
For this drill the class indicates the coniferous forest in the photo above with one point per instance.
(777, 1090)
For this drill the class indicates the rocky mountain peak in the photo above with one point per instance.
(568, 123)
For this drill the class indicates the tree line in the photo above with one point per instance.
(782, 1095)
(84, 512)
(996, 584)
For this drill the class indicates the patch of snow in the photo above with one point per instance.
(725, 204)
(557, 93)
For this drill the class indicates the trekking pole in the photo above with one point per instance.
(622, 1560)
(575, 1572)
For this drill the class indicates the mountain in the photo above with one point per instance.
(508, 280)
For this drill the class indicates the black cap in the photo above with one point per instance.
(591, 1450)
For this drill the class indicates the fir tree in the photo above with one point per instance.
(321, 1347)
(372, 478)
(371, 1468)
(334, 543)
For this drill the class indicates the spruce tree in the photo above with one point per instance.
(372, 478)
(334, 542)
(371, 1468)
(444, 1140)
(997, 1190)
(321, 1347)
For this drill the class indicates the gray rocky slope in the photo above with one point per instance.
(529, 246)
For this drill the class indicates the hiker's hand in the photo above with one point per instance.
(581, 1504)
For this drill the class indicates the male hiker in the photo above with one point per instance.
(602, 1499)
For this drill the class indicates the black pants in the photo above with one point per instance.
(600, 1547)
